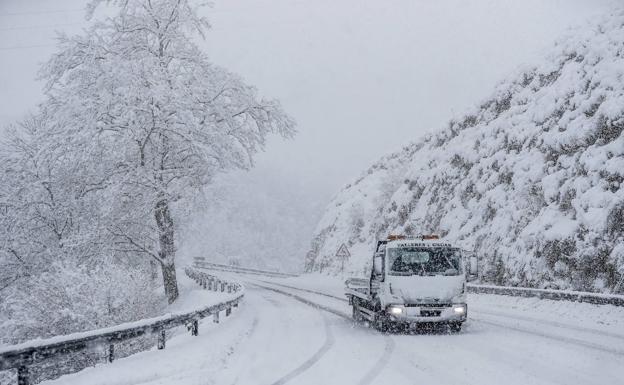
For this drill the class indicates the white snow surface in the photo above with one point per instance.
(530, 179)
(274, 338)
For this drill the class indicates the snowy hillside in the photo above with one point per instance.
(530, 179)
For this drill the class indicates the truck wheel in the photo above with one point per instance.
(381, 323)
(455, 327)
(403, 327)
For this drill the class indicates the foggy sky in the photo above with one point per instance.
(361, 77)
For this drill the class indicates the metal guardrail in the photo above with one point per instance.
(361, 284)
(557, 295)
(200, 263)
(23, 355)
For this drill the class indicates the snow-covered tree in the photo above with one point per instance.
(136, 91)
(58, 271)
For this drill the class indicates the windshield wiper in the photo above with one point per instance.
(402, 273)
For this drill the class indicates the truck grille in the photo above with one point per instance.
(430, 309)
(430, 313)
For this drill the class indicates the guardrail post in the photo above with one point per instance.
(111, 352)
(228, 311)
(216, 318)
(161, 339)
(195, 328)
(22, 375)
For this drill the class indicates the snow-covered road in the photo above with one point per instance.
(286, 335)
(496, 347)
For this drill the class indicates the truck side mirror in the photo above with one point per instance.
(473, 267)
(378, 265)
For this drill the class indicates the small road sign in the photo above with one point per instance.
(343, 252)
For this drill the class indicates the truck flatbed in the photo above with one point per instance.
(359, 287)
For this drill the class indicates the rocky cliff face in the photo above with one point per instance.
(531, 179)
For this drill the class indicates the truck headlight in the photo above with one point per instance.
(395, 309)
(459, 309)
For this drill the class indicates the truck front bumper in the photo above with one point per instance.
(425, 313)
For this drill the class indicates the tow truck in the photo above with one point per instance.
(414, 281)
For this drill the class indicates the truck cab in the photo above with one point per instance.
(413, 281)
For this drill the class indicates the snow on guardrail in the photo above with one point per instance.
(557, 295)
(200, 263)
(26, 354)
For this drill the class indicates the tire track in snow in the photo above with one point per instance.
(373, 372)
(306, 301)
(376, 369)
(329, 342)
(553, 323)
(329, 336)
(569, 340)
(307, 291)
(252, 330)
(272, 301)
(238, 341)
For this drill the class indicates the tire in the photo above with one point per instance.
(455, 327)
(400, 327)
(382, 323)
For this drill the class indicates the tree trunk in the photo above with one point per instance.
(153, 270)
(164, 221)
(170, 281)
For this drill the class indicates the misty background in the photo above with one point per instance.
(362, 79)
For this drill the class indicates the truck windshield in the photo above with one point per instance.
(424, 261)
